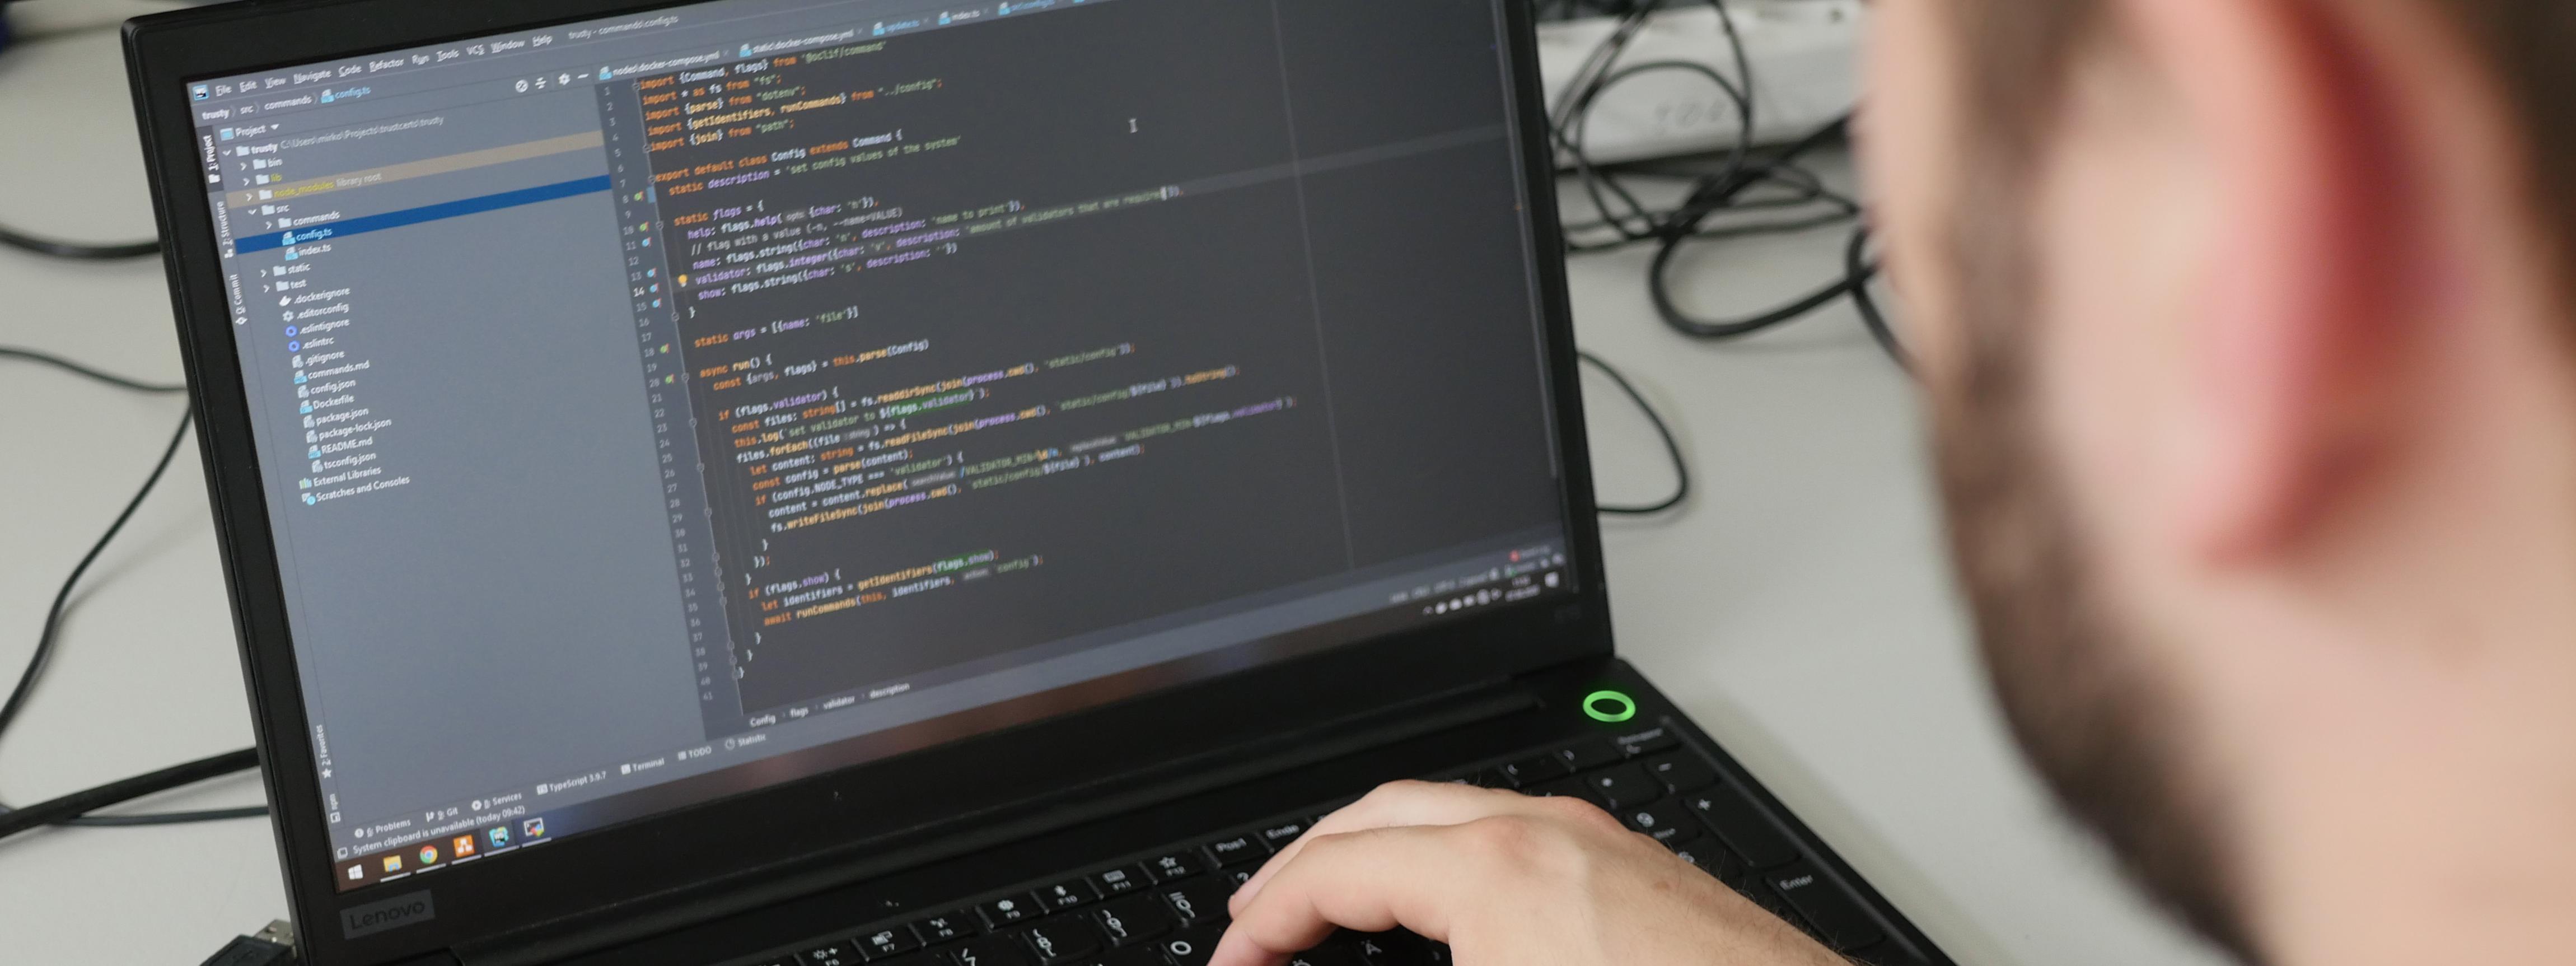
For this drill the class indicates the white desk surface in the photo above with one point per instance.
(1798, 606)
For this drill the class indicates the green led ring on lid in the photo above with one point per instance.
(1609, 706)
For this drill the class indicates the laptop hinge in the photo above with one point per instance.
(677, 909)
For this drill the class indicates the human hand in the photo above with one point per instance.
(1503, 879)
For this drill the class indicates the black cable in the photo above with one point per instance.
(58, 362)
(1647, 224)
(34, 672)
(1682, 321)
(1715, 197)
(68, 809)
(189, 817)
(74, 809)
(1701, 216)
(1857, 271)
(62, 598)
(62, 249)
(1569, 122)
(77, 251)
(1568, 127)
(1672, 445)
(1600, 77)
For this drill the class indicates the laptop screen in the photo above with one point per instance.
(658, 408)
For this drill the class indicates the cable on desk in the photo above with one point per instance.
(58, 362)
(1857, 272)
(1672, 446)
(1713, 195)
(62, 598)
(54, 812)
(52, 248)
(1716, 197)
(68, 809)
(77, 251)
(1569, 122)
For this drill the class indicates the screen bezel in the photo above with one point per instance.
(585, 874)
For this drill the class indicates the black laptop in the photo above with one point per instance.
(926, 482)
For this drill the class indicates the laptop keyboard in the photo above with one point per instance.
(1167, 907)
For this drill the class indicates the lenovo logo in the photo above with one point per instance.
(376, 917)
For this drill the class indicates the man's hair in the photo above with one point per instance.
(2526, 43)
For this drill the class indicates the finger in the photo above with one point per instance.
(1371, 881)
(1399, 804)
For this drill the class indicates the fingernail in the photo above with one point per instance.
(1243, 896)
(1226, 953)
(1251, 887)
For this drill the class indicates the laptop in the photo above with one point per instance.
(924, 482)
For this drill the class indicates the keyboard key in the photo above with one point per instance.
(1119, 882)
(1647, 742)
(1699, 852)
(1178, 865)
(1742, 827)
(1664, 821)
(945, 927)
(842, 953)
(1623, 787)
(1715, 860)
(1533, 770)
(1838, 918)
(1278, 835)
(888, 941)
(1239, 875)
(787, 960)
(1762, 895)
(992, 951)
(916, 959)
(1400, 948)
(1588, 755)
(1337, 804)
(1067, 895)
(1132, 920)
(1237, 850)
(1767, 899)
(1009, 909)
(1191, 947)
(1131, 956)
(1057, 940)
(1490, 778)
(1196, 903)
(1681, 772)
(1329, 955)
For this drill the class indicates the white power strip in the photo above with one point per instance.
(1805, 56)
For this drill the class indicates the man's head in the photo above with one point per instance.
(2245, 326)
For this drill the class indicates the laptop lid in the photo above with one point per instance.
(653, 442)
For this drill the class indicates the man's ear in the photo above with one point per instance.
(2296, 324)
